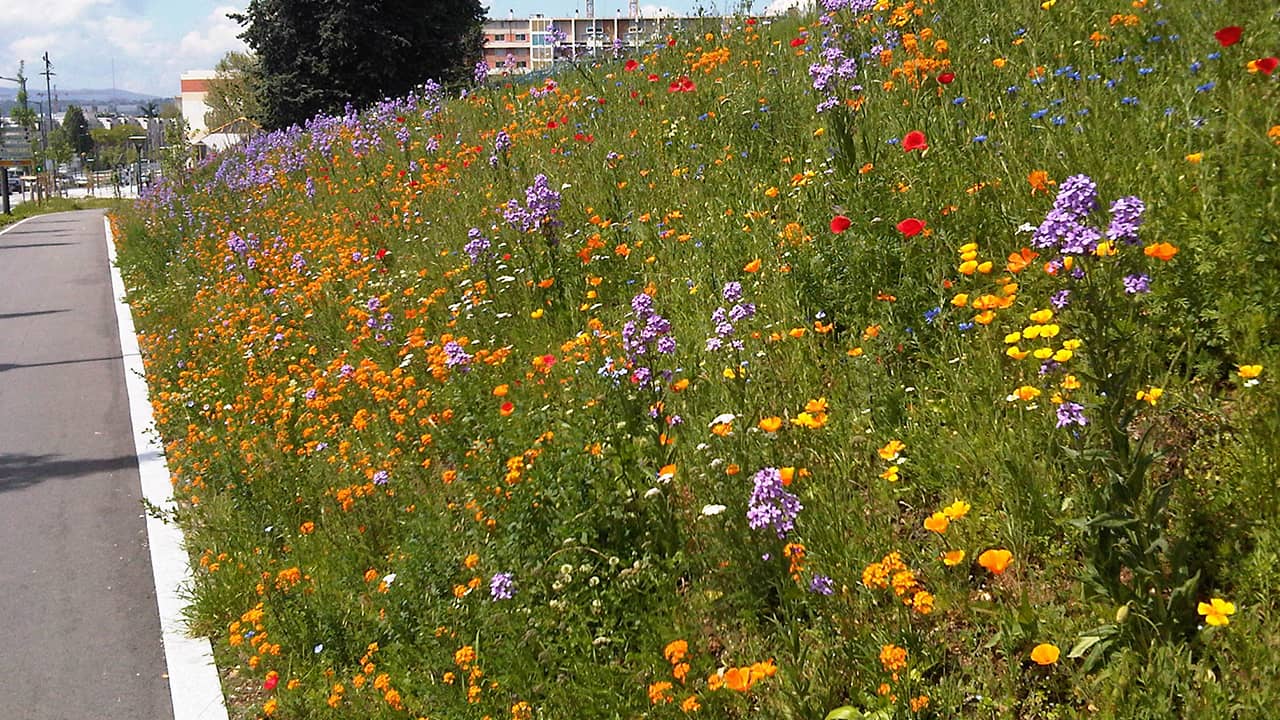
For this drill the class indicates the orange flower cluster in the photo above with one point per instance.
(891, 571)
(741, 679)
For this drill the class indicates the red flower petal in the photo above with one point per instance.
(914, 140)
(1229, 36)
(1267, 64)
(840, 223)
(631, 66)
(946, 78)
(911, 227)
(797, 42)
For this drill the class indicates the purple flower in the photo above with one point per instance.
(822, 585)
(1137, 284)
(771, 506)
(501, 142)
(502, 586)
(482, 72)
(1060, 299)
(1126, 218)
(477, 245)
(1078, 196)
(454, 355)
(382, 477)
(1071, 413)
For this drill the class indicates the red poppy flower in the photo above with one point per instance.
(751, 21)
(797, 42)
(1229, 36)
(382, 253)
(631, 66)
(911, 227)
(653, 77)
(272, 680)
(551, 125)
(915, 140)
(840, 223)
(1267, 64)
(946, 78)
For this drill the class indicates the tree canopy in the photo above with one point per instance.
(233, 92)
(318, 55)
(76, 128)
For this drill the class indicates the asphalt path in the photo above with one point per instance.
(79, 629)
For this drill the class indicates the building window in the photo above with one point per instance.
(521, 37)
(521, 64)
(499, 38)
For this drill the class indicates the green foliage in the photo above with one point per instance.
(76, 129)
(316, 57)
(233, 92)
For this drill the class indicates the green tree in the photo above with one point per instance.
(149, 109)
(22, 112)
(112, 147)
(233, 92)
(316, 56)
(76, 129)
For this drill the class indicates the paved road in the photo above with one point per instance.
(79, 630)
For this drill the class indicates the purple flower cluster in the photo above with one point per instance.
(646, 333)
(481, 72)
(501, 142)
(856, 7)
(455, 356)
(541, 204)
(1126, 218)
(827, 74)
(1066, 228)
(477, 245)
(771, 506)
(822, 585)
(1070, 413)
(502, 586)
(724, 319)
(1137, 284)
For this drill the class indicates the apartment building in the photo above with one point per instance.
(527, 42)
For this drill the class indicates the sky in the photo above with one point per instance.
(150, 43)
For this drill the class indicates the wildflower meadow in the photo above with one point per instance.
(885, 360)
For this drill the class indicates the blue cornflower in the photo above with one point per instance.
(1206, 87)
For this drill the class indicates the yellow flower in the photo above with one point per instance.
(1215, 611)
(957, 509)
(995, 560)
(1012, 337)
(1249, 372)
(890, 473)
(1151, 395)
(1195, 158)
(1026, 393)
(770, 424)
(951, 558)
(1045, 654)
(1016, 353)
(891, 450)
(1043, 353)
(937, 522)
(1063, 355)
(1041, 317)
(1070, 382)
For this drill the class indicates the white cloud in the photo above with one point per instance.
(216, 37)
(85, 39)
(47, 13)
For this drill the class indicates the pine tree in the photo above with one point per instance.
(318, 55)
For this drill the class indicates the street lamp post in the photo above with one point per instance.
(138, 142)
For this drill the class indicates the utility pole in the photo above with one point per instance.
(48, 92)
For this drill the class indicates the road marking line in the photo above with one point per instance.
(193, 679)
(15, 225)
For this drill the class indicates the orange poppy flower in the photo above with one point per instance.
(996, 561)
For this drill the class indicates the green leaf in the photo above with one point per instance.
(844, 712)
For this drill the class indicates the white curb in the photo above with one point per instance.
(193, 679)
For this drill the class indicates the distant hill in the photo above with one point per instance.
(105, 96)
